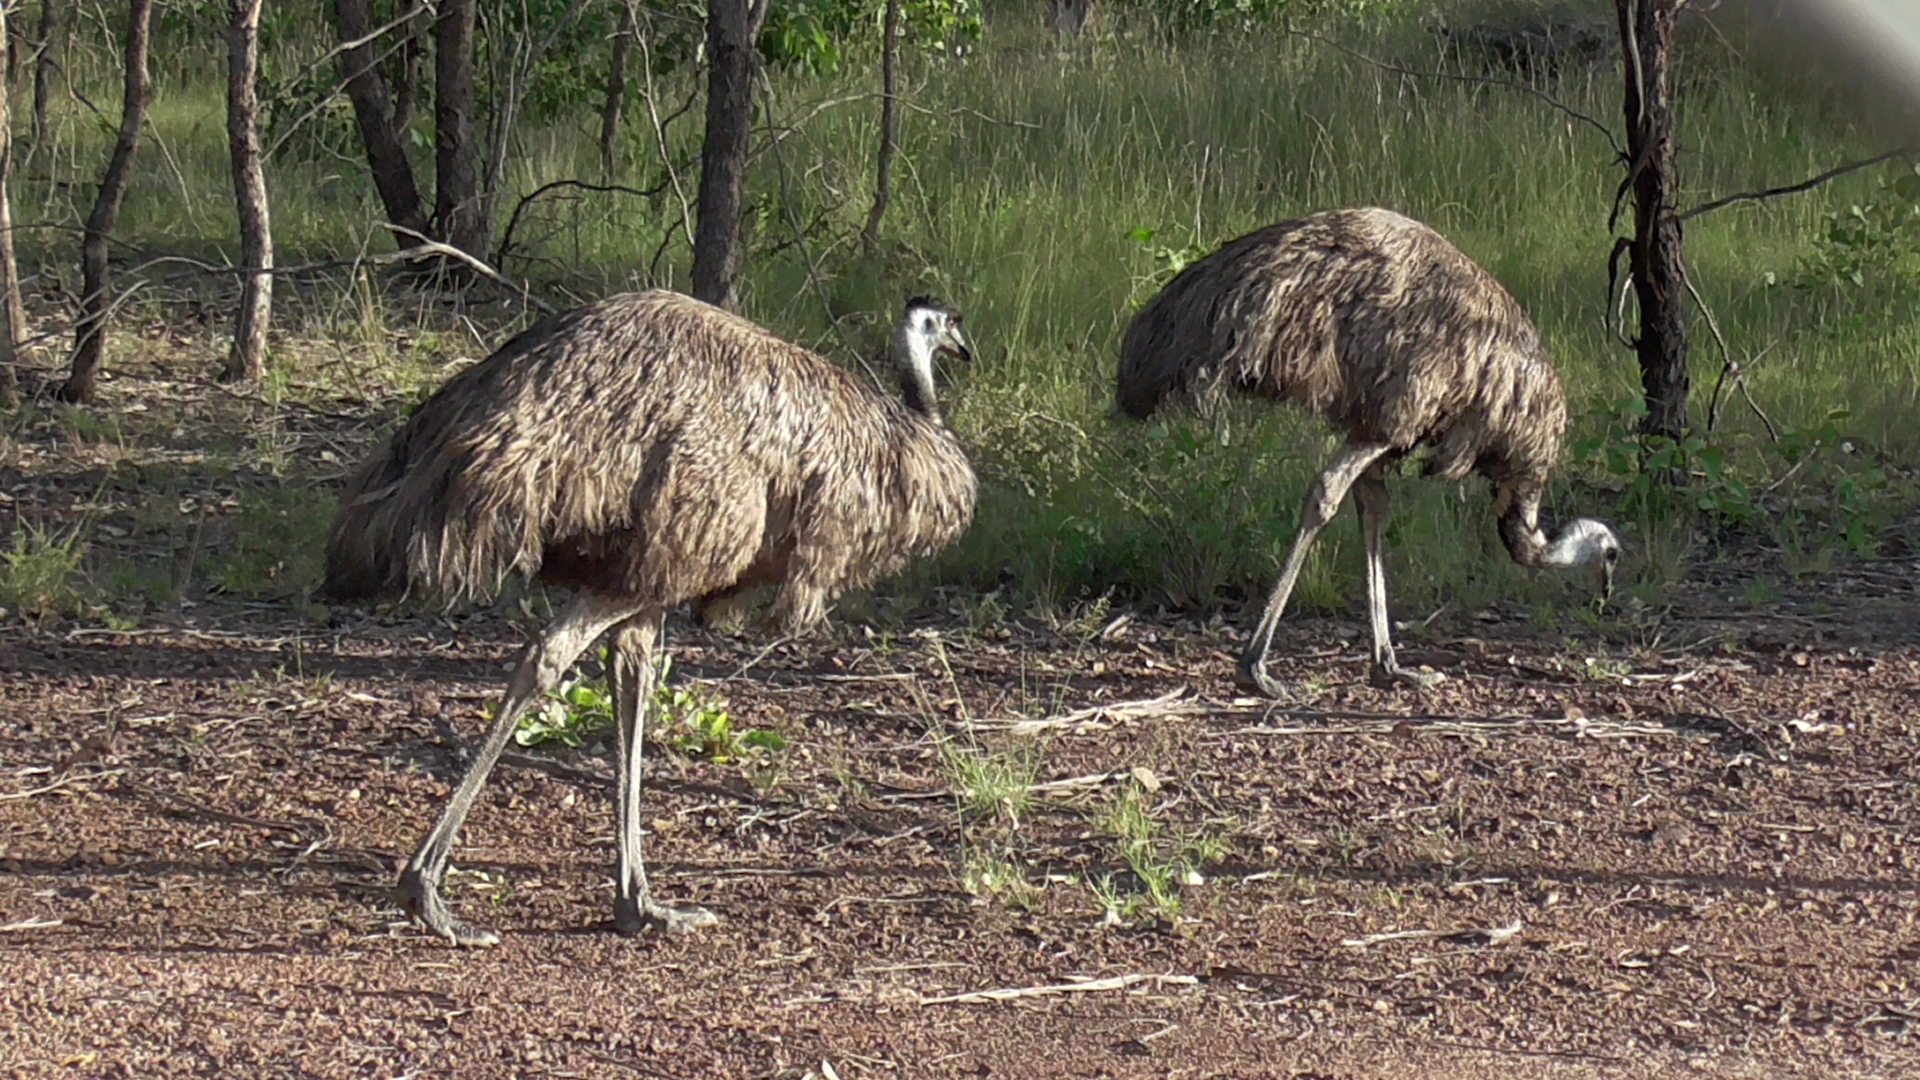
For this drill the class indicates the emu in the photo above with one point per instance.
(1380, 326)
(645, 451)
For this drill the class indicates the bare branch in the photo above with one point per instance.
(506, 238)
(1480, 80)
(1906, 152)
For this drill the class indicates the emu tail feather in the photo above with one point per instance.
(363, 561)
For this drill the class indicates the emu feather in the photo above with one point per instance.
(645, 451)
(1376, 323)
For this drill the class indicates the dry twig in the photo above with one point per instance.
(1089, 986)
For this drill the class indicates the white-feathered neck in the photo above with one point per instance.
(913, 357)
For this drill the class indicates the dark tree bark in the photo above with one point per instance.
(733, 59)
(89, 332)
(1655, 252)
(248, 360)
(457, 209)
(52, 31)
(406, 83)
(616, 93)
(13, 316)
(883, 172)
(386, 155)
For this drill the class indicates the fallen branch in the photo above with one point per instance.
(1101, 717)
(1089, 986)
(60, 783)
(426, 245)
(1472, 935)
(30, 924)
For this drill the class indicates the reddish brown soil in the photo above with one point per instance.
(1703, 861)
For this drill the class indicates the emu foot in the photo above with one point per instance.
(421, 900)
(1390, 674)
(635, 916)
(1251, 677)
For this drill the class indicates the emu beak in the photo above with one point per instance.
(956, 345)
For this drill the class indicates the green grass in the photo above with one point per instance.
(1023, 188)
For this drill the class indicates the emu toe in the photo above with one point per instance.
(1252, 678)
(423, 902)
(631, 916)
(1391, 674)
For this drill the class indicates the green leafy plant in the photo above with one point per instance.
(693, 724)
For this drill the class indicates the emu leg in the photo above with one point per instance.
(632, 677)
(540, 669)
(1323, 502)
(1370, 498)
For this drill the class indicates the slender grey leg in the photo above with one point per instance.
(1323, 502)
(540, 669)
(1370, 498)
(632, 681)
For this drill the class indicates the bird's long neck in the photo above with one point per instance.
(913, 358)
(1519, 510)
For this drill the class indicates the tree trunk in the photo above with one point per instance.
(406, 88)
(386, 156)
(456, 202)
(1659, 273)
(13, 316)
(616, 93)
(248, 360)
(733, 30)
(89, 332)
(883, 178)
(52, 29)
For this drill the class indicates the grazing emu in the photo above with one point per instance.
(645, 451)
(1379, 325)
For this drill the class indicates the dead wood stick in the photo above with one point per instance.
(1117, 982)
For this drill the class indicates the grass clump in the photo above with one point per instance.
(1161, 864)
(37, 572)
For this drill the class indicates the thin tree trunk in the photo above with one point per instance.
(1655, 253)
(883, 177)
(89, 333)
(457, 209)
(386, 156)
(733, 29)
(248, 360)
(13, 315)
(616, 93)
(406, 88)
(51, 29)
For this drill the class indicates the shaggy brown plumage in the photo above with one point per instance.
(647, 450)
(1378, 324)
(652, 446)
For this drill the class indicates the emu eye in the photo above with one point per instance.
(1613, 554)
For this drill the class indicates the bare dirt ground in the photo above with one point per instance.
(1685, 844)
(1702, 865)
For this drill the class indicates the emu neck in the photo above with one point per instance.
(1520, 527)
(1572, 545)
(913, 358)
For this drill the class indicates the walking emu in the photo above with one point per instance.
(1376, 323)
(645, 451)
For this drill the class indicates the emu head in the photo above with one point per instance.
(1585, 542)
(928, 328)
(1580, 542)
